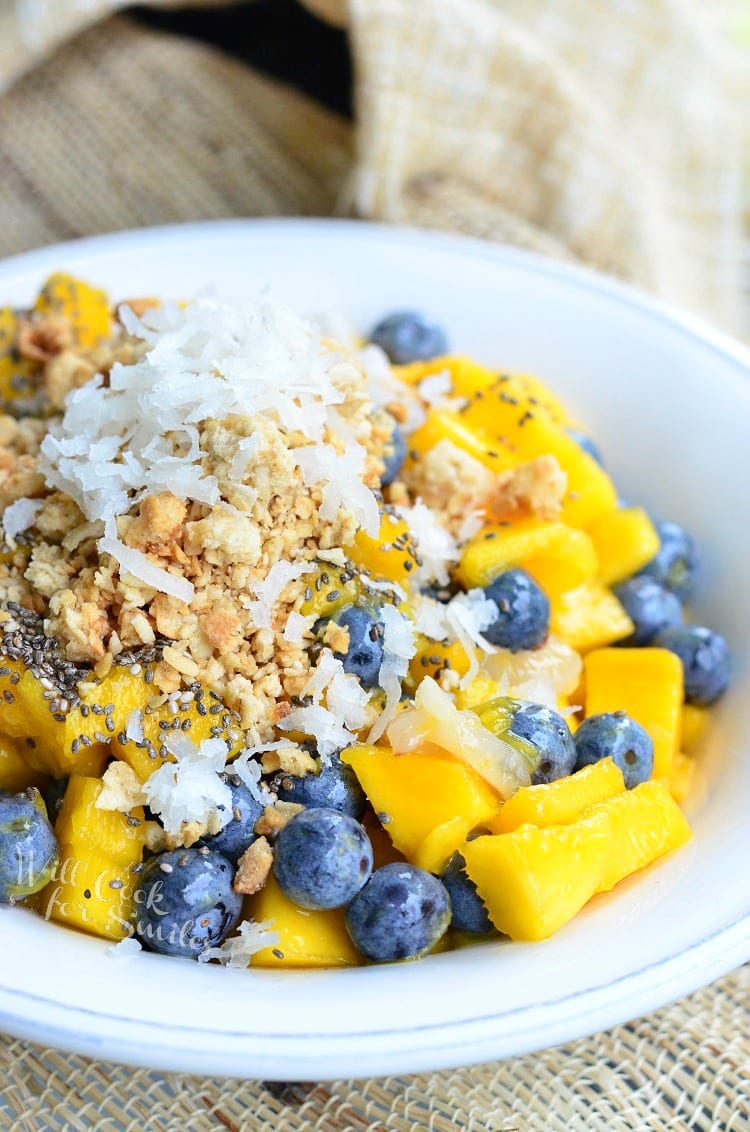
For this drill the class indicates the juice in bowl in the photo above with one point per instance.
(316, 655)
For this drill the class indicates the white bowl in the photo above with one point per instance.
(669, 402)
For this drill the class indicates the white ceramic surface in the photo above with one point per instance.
(669, 402)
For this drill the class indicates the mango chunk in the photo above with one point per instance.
(682, 777)
(392, 555)
(481, 689)
(472, 380)
(589, 617)
(647, 684)
(15, 772)
(646, 823)
(329, 589)
(533, 880)
(625, 540)
(94, 886)
(445, 424)
(419, 792)
(694, 723)
(559, 557)
(306, 939)
(560, 802)
(86, 308)
(434, 657)
(57, 742)
(16, 373)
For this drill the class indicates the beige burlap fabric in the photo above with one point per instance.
(603, 132)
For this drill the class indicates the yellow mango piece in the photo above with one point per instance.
(559, 557)
(445, 424)
(646, 823)
(329, 591)
(532, 880)
(682, 777)
(306, 938)
(433, 657)
(647, 684)
(625, 540)
(384, 852)
(470, 380)
(588, 617)
(98, 849)
(560, 802)
(56, 743)
(482, 688)
(694, 723)
(16, 373)
(420, 791)
(126, 691)
(15, 772)
(86, 308)
(391, 555)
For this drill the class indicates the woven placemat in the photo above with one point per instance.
(685, 1069)
(126, 127)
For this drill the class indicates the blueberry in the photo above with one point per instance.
(402, 912)
(239, 832)
(364, 655)
(28, 849)
(322, 859)
(541, 735)
(333, 787)
(394, 455)
(407, 336)
(705, 660)
(676, 561)
(613, 734)
(586, 443)
(650, 606)
(523, 612)
(184, 902)
(468, 912)
(549, 736)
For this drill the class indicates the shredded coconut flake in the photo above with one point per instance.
(271, 588)
(248, 770)
(464, 617)
(296, 627)
(21, 515)
(334, 725)
(398, 648)
(190, 789)
(125, 950)
(470, 526)
(436, 546)
(342, 477)
(139, 434)
(239, 949)
(134, 726)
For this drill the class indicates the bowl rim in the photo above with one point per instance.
(435, 1044)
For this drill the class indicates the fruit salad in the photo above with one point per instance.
(317, 654)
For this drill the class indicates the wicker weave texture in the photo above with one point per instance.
(685, 1068)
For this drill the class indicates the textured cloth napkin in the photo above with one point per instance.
(611, 133)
